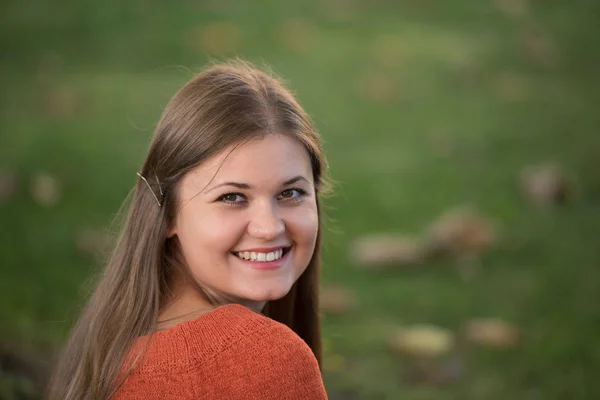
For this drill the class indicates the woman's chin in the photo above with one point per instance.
(270, 294)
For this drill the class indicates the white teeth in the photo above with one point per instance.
(260, 257)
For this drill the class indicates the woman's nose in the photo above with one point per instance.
(265, 222)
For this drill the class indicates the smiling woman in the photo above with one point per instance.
(211, 291)
(249, 246)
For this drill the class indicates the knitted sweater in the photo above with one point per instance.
(229, 353)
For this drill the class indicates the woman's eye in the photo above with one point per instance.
(292, 194)
(231, 198)
(286, 194)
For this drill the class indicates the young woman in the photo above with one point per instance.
(211, 290)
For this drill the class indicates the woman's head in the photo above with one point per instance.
(234, 168)
(234, 124)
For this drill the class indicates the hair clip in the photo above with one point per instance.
(150, 187)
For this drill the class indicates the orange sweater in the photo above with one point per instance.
(229, 353)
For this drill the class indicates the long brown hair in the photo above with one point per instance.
(225, 104)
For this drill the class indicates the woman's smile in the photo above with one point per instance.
(264, 258)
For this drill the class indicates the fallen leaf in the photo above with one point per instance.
(336, 300)
(379, 251)
(62, 104)
(491, 332)
(462, 233)
(296, 34)
(544, 184)
(422, 340)
(45, 189)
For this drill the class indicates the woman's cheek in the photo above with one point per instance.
(304, 224)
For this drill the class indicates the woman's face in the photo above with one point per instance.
(247, 220)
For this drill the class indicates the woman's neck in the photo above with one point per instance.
(183, 306)
(189, 300)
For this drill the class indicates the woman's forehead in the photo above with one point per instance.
(271, 159)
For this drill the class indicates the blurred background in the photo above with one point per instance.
(461, 254)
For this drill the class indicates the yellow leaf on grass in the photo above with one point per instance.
(492, 332)
(422, 340)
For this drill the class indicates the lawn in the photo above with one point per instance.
(423, 106)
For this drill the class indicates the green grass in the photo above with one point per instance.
(469, 109)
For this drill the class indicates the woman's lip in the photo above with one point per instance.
(262, 249)
(264, 265)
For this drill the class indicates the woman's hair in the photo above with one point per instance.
(227, 104)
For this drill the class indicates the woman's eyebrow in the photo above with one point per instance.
(234, 184)
(294, 180)
(247, 186)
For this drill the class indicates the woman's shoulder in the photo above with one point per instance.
(236, 332)
(267, 362)
(232, 325)
(229, 353)
(213, 335)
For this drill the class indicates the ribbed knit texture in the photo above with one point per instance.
(229, 353)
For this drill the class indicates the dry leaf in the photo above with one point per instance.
(384, 251)
(221, 37)
(8, 186)
(45, 189)
(462, 233)
(92, 242)
(62, 104)
(336, 300)
(422, 340)
(492, 332)
(297, 34)
(544, 184)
